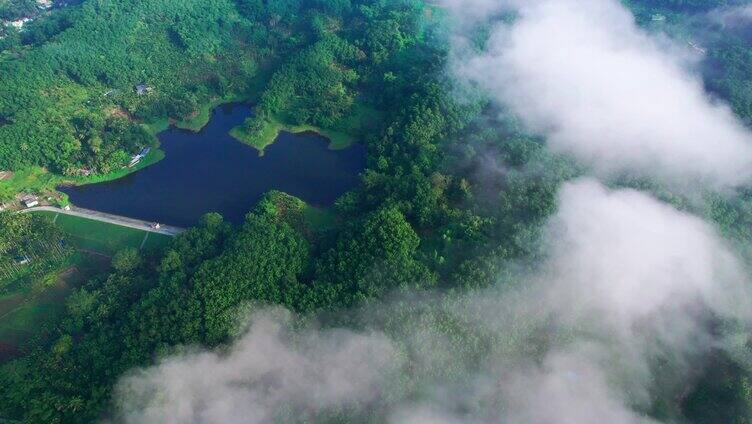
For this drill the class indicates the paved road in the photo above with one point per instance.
(111, 219)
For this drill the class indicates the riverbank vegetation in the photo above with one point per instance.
(431, 213)
(40, 181)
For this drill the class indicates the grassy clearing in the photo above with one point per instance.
(157, 126)
(104, 237)
(361, 120)
(28, 310)
(32, 179)
(154, 156)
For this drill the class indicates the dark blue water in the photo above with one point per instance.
(210, 171)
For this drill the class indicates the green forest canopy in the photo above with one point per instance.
(422, 218)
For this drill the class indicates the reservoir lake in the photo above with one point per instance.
(210, 171)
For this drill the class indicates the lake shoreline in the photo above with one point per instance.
(200, 172)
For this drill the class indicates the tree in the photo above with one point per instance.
(126, 260)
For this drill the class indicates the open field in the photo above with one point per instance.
(103, 237)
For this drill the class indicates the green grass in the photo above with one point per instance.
(197, 121)
(361, 119)
(157, 126)
(104, 237)
(32, 309)
(32, 179)
(275, 125)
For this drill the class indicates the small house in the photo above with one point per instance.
(134, 161)
(44, 4)
(30, 201)
(137, 158)
(658, 17)
(143, 89)
(19, 23)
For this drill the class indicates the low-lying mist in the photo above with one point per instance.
(628, 283)
(600, 88)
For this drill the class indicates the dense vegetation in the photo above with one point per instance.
(65, 108)
(423, 217)
(28, 241)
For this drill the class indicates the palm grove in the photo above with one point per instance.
(422, 218)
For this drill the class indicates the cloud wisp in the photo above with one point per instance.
(600, 88)
(264, 376)
(732, 16)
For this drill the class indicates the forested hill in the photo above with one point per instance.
(69, 78)
(69, 98)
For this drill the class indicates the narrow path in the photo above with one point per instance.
(110, 219)
(143, 242)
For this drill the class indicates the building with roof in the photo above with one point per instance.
(143, 89)
(658, 17)
(135, 159)
(19, 23)
(29, 200)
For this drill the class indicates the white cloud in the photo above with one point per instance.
(266, 375)
(627, 280)
(584, 75)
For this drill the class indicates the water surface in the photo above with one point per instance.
(211, 171)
